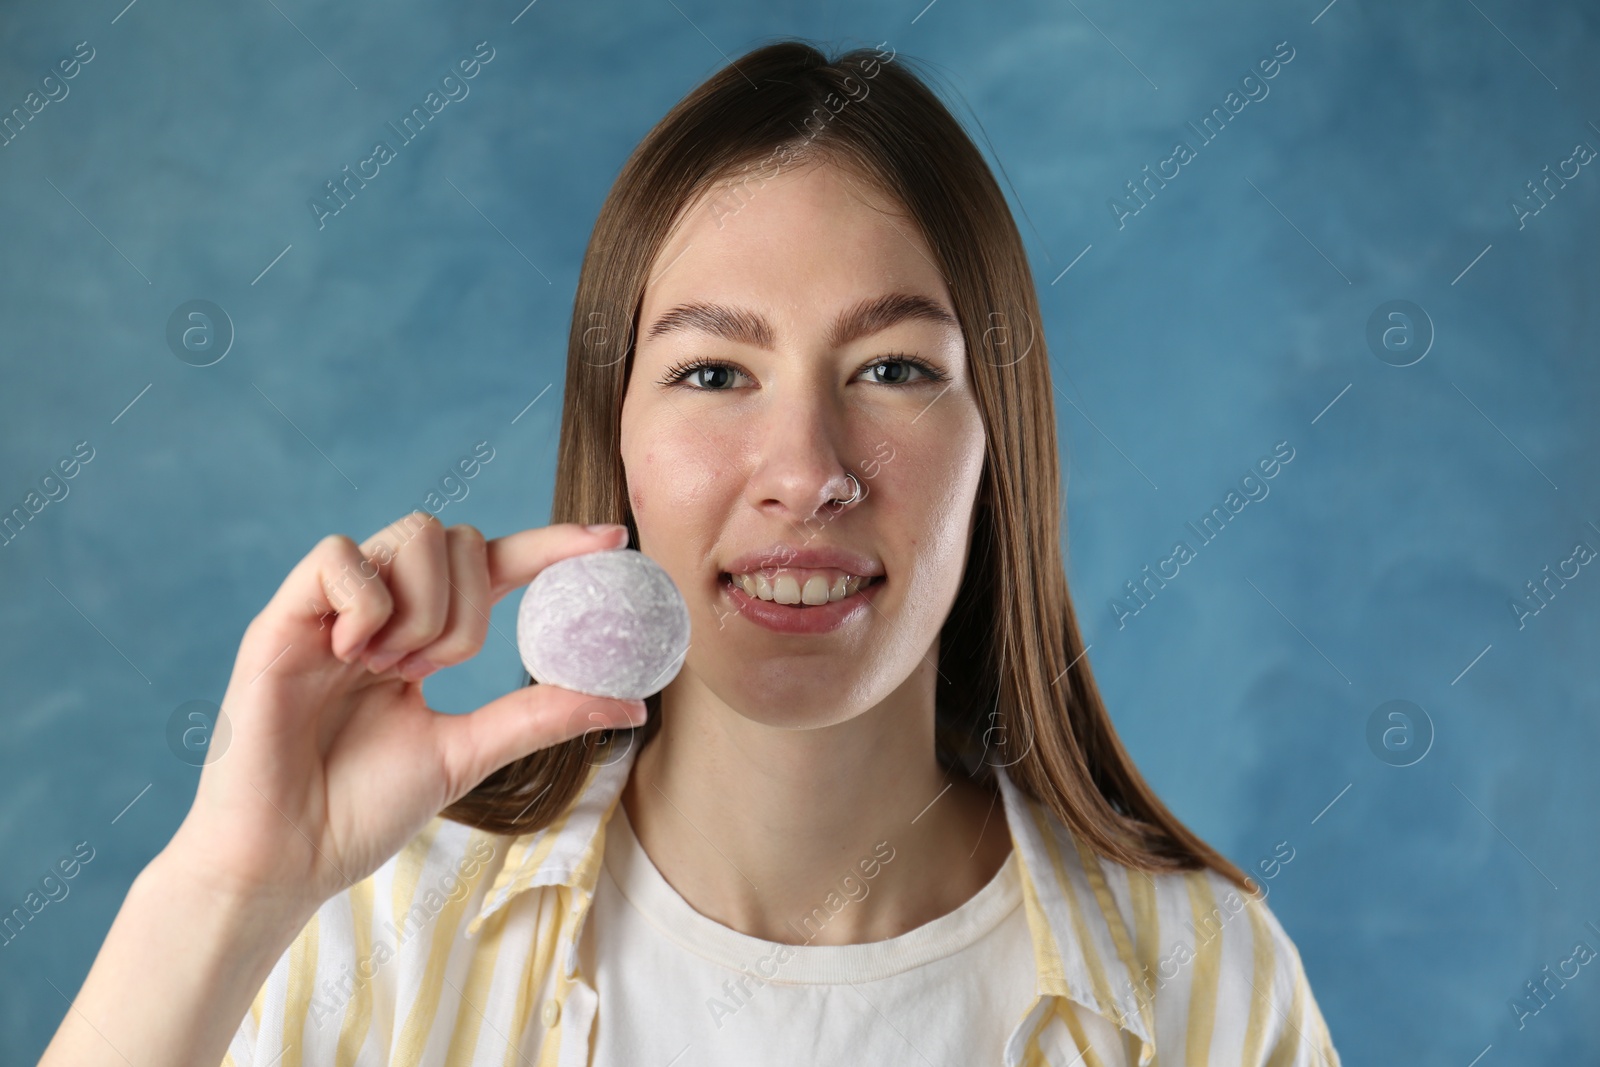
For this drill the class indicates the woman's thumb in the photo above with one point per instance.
(525, 720)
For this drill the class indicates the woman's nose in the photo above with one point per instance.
(801, 458)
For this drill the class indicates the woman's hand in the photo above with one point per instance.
(334, 759)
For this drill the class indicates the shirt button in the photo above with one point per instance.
(550, 1012)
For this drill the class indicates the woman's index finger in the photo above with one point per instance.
(516, 559)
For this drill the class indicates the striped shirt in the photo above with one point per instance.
(462, 949)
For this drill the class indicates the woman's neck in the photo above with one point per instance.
(835, 835)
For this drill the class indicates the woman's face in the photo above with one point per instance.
(742, 459)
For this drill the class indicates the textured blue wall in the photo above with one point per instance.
(1229, 313)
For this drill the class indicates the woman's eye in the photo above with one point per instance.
(699, 375)
(710, 376)
(905, 366)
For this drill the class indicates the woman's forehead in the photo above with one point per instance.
(811, 247)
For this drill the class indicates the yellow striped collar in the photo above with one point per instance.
(1074, 901)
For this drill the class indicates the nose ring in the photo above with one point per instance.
(855, 496)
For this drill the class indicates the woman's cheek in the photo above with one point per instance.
(927, 464)
(930, 486)
(685, 467)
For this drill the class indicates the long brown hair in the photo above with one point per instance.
(1014, 687)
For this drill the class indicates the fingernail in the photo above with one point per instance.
(361, 646)
(605, 529)
(632, 712)
(382, 661)
(415, 670)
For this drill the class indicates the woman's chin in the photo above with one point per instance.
(799, 709)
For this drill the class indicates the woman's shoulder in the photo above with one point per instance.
(1205, 960)
(338, 983)
(1178, 956)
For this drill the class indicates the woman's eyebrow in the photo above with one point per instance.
(742, 326)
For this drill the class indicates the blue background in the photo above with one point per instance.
(1223, 318)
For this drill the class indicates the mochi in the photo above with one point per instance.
(610, 623)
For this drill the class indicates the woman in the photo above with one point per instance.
(881, 815)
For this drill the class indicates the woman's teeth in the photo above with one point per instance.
(785, 589)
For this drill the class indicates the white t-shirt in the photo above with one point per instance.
(677, 988)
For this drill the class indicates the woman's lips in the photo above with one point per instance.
(800, 618)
